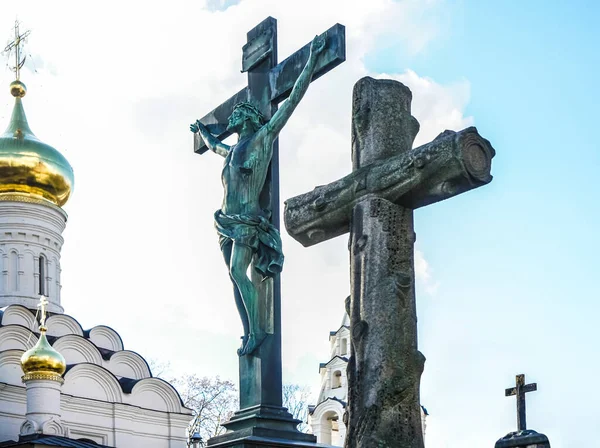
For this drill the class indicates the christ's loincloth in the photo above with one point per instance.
(257, 233)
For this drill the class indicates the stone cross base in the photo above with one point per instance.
(266, 442)
(263, 426)
(523, 439)
(263, 437)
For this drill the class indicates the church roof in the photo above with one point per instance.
(95, 355)
(334, 333)
(41, 440)
(346, 320)
(336, 357)
(312, 408)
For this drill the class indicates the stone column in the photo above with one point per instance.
(385, 368)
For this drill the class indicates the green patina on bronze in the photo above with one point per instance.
(246, 235)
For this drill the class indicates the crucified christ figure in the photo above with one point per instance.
(245, 233)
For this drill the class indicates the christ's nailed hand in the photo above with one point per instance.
(195, 127)
(318, 45)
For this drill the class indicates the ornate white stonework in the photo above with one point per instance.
(95, 390)
(30, 244)
(43, 408)
(326, 417)
(108, 396)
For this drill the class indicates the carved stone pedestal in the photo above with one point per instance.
(523, 439)
(263, 426)
(262, 421)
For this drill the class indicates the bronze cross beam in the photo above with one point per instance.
(269, 83)
(520, 390)
(375, 204)
(279, 78)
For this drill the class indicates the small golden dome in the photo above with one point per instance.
(18, 89)
(42, 359)
(27, 165)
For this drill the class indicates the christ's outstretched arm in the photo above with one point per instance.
(283, 114)
(213, 143)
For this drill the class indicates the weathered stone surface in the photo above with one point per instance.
(385, 367)
(451, 164)
(381, 120)
(375, 203)
(523, 439)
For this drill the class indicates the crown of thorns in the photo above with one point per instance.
(252, 108)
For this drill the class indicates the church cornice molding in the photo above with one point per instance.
(56, 321)
(15, 311)
(332, 361)
(327, 405)
(133, 360)
(20, 334)
(13, 393)
(107, 332)
(76, 343)
(74, 403)
(336, 332)
(13, 214)
(101, 376)
(33, 229)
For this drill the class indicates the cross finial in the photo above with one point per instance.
(520, 390)
(16, 46)
(42, 307)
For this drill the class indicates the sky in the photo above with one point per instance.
(506, 280)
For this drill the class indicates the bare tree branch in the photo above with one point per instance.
(213, 399)
(296, 399)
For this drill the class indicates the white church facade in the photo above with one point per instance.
(326, 418)
(60, 384)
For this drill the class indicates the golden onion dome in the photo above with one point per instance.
(29, 166)
(42, 360)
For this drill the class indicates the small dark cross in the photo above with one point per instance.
(520, 390)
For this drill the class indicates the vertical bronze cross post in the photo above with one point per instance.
(520, 390)
(375, 204)
(269, 83)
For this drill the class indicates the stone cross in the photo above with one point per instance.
(523, 437)
(520, 390)
(375, 204)
(269, 83)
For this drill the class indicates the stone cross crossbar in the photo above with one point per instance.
(451, 164)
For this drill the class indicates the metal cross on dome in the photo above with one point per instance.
(42, 307)
(16, 46)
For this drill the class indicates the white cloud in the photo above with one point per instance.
(437, 107)
(424, 273)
